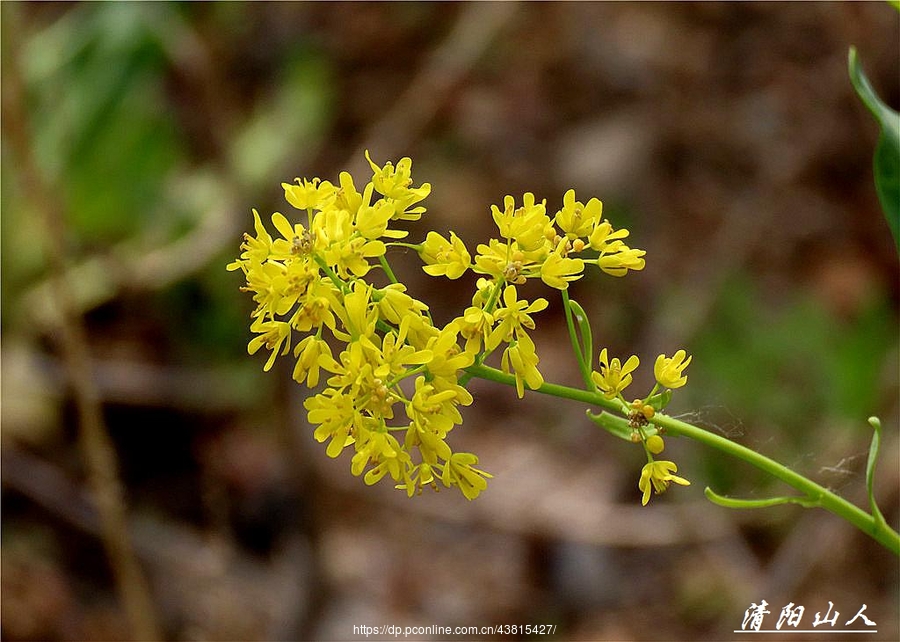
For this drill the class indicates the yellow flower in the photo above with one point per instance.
(395, 185)
(336, 415)
(447, 358)
(271, 334)
(394, 305)
(557, 270)
(332, 227)
(310, 352)
(501, 261)
(604, 239)
(514, 317)
(316, 307)
(614, 377)
(372, 221)
(528, 225)
(373, 446)
(347, 198)
(523, 359)
(420, 476)
(475, 327)
(658, 474)
(460, 471)
(357, 315)
(432, 410)
(308, 194)
(399, 467)
(443, 257)
(576, 219)
(267, 282)
(668, 371)
(253, 249)
(623, 259)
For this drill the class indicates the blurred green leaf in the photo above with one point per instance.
(102, 125)
(793, 363)
(887, 182)
(887, 153)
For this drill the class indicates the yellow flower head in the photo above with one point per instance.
(604, 238)
(576, 219)
(372, 221)
(527, 225)
(668, 371)
(337, 418)
(621, 260)
(475, 327)
(557, 270)
(310, 293)
(443, 257)
(520, 358)
(395, 184)
(254, 250)
(310, 353)
(614, 376)
(514, 317)
(308, 194)
(394, 305)
(272, 334)
(460, 471)
(658, 474)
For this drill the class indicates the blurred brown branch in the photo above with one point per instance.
(99, 454)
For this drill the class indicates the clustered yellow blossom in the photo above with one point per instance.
(389, 382)
(390, 375)
(531, 245)
(612, 378)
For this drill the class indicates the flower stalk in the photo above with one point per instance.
(814, 495)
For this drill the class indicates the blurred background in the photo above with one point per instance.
(726, 137)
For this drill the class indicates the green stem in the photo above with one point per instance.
(819, 495)
(553, 389)
(387, 269)
(485, 353)
(341, 285)
(412, 246)
(816, 495)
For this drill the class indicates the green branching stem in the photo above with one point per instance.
(813, 494)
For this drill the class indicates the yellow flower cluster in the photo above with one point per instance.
(531, 245)
(391, 387)
(393, 380)
(612, 378)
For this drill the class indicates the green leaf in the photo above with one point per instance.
(616, 426)
(887, 153)
(661, 400)
(768, 502)
(875, 422)
(584, 327)
(887, 182)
